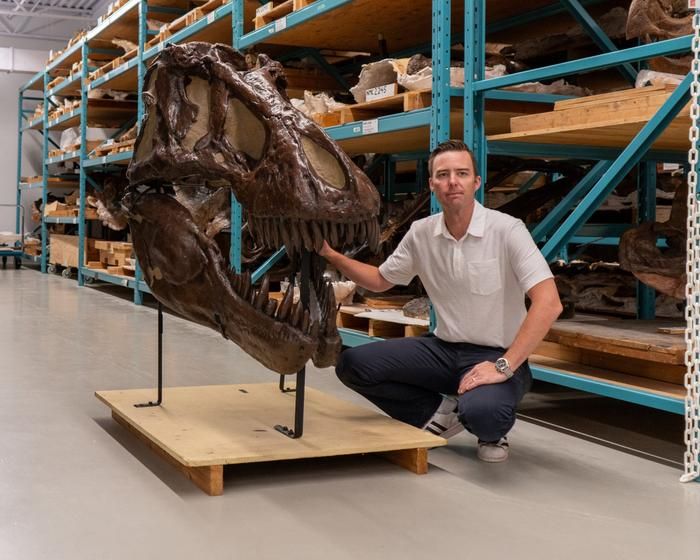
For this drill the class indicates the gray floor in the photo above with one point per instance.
(74, 485)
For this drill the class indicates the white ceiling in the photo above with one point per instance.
(48, 19)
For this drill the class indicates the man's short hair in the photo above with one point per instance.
(451, 146)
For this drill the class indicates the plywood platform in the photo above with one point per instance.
(201, 429)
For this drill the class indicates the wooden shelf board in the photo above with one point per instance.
(356, 25)
(127, 26)
(619, 335)
(418, 139)
(128, 81)
(610, 134)
(217, 32)
(620, 379)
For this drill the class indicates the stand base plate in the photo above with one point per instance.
(201, 429)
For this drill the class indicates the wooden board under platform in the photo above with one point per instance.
(201, 429)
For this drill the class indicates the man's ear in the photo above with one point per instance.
(478, 183)
(430, 183)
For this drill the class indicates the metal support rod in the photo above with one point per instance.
(159, 400)
(304, 293)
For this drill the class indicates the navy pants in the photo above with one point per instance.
(406, 377)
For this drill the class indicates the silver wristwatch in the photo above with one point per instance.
(502, 366)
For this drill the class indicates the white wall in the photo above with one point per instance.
(10, 82)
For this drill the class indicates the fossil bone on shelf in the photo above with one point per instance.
(213, 122)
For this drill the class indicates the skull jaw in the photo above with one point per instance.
(165, 240)
(328, 351)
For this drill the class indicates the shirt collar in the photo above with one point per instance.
(476, 225)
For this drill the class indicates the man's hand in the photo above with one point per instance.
(481, 374)
(325, 250)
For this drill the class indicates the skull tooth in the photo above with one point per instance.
(286, 305)
(275, 229)
(286, 238)
(235, 282)
(262, 237)
(314, 330)
(350, 233)
(253, 296)
(306, 236)
(326, 230)
(334, 235)
(264, 229)
(305, 322)
(318, 236)
(362, 232)
(271, 307)
(374, 236)
(296, 235)
(263, 294)
(297, 315)
(245, 285)
(341, 233)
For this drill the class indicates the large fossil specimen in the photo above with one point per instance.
(662, 268)
(655, 20)
(213, 122)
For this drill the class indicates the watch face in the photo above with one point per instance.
(501, 364)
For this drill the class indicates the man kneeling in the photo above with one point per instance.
(476, 265)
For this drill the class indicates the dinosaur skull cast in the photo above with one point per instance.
(213, 122)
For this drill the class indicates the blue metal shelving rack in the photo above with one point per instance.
(567, 224)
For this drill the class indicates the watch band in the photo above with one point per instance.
(503, 366)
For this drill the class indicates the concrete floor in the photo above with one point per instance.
(75, 485)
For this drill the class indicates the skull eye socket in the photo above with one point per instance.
(197, 92)
(245, 131)
(149, 123)
(324, 164)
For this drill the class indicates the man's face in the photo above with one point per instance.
(454, 180)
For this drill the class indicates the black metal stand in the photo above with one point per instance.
(304, 288)
(160, 362)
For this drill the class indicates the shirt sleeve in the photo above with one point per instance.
(399, 268)
(526, 260)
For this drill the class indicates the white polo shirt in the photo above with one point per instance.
(477, 284)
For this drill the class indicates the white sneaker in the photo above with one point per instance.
(494, 452)
(445, 422)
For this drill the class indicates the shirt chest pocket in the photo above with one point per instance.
(484, 277)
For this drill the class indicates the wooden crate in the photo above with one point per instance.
(114, 148)
(278, 10)
(386, 323)
(403, 102)
(63, 250)
(113, 254)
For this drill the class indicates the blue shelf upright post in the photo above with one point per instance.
(474, 116)
(83, 156)
(141, 73)
(20, 114)
(44, 175)
(440, 108)
(646, 189)
(236, 211)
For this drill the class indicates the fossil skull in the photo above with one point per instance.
(212, 121)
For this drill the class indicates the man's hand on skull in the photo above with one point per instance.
(325, 250)
(484, 373)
